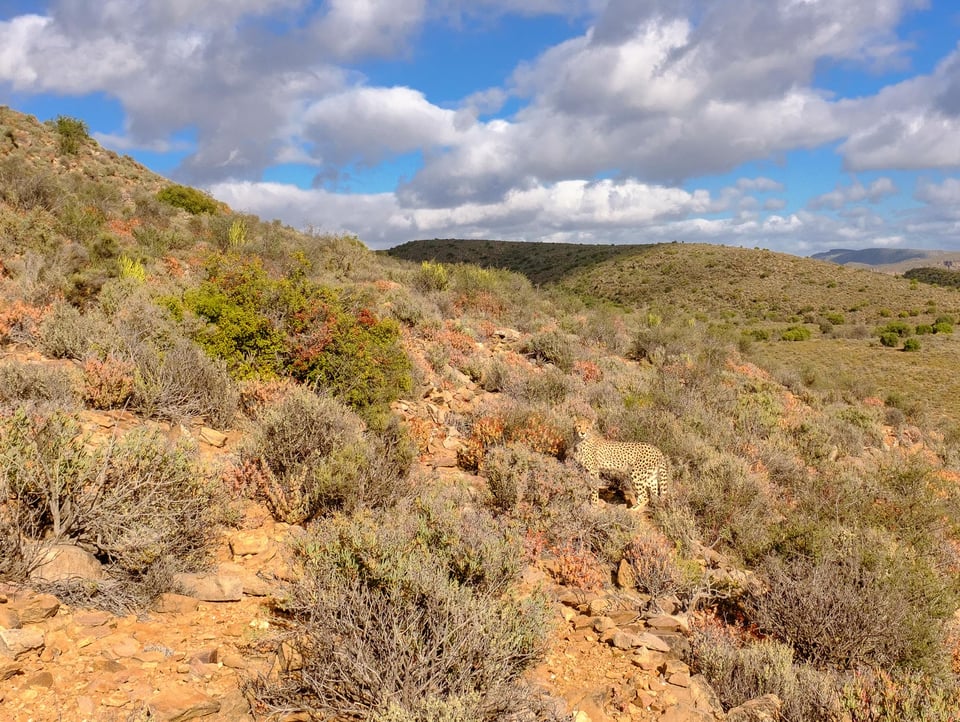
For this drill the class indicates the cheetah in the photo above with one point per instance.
(646, 464)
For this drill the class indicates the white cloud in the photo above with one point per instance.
(855, 193)
(371, 123)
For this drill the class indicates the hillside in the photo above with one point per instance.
(891, 260)
(248, 473)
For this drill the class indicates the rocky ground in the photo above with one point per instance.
(616, 655)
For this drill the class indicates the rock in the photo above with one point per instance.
(181, 703)
(9, 669)
(444, 459)
(212, 437)
(685, 713)
(761, 709)
(625, 640)
(581, 716)
(15, 643)
(66, 561)
(34, 608)
(602, 624)
(599, 606)
(211, 587)
(9, 619)
(648, 660)
(40, 679)
(92, 619)
(175, 604)
(652, 641)
(679, 679)
(626, 576)
(669, 623)
(243, 543)
(703, 695)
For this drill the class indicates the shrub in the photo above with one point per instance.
(65, 333)
(943, 327)
(882, 696)
(265, 327)
(431, 277)
(739, 672)
(71, 133)
(911, 344)
(657, 568)
(153, 509)
(839, 609)
(924, 329)
(900, 328)
(108, 383)
(835, 318)
(137, 502)
(37, 386)
(553, 347)
(178, 380)
(890, 340)
(189, 199)
(404, 610)
(313, 457)
(795, 333)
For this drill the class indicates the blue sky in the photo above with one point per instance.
(795, 125)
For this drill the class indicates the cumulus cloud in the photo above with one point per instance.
(855, 193)
(650, 95)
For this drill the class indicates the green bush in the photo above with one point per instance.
(189, 199)
(923, 329)
(943, 327)
(889, 339)
(265, 328)
(835, 318)
(795, 333)
(407, 610)
(900, 328)
(239, 303)
(911, 344)
(71, 133)
(431, 277)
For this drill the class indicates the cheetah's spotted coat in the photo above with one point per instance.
(646, 464)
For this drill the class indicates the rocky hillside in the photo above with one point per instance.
(248, 473)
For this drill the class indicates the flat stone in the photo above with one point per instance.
(685, 713)
(92, 619)
(34, 608)
(181, 703)
(761, 709)
(652, 641)
(679, 679)
(243, 543)
(15, 643)
(175, 604)
(9, 669)
(625, 640)
(669, 623)
(9, 619)
(40, 679)
(211, 587)
(212, 437)
(66, 561)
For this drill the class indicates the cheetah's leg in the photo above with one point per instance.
(641, 488)
(594, 490)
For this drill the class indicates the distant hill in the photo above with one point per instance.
(721, 282)
(890, 260)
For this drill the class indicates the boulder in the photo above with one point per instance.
(66, 561)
